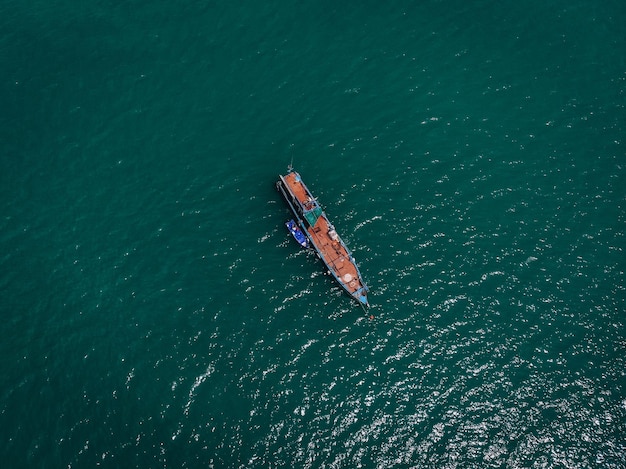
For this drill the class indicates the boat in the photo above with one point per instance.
(322, 237)
(297, 233)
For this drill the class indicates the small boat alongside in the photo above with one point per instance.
(297, 233)
(314, 225)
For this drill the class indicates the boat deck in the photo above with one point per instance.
(335, 255)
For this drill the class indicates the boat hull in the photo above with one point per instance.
(323, 238)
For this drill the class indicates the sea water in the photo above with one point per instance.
(156, 313)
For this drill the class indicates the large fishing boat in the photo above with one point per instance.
(329, 247)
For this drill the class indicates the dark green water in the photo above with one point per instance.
(155, 312)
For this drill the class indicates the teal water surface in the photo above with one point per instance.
(155, 312)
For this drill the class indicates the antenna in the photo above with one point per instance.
(290, 167)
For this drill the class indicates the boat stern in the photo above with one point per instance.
(361, 296)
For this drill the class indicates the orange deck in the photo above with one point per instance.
(334, 254)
